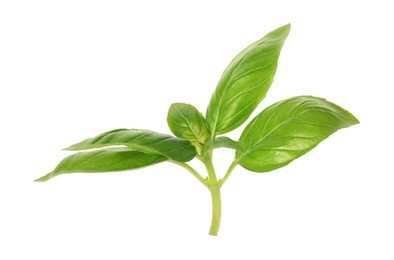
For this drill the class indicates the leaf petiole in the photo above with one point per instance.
(192, 171)
(228, 173)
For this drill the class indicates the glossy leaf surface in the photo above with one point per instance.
(104, 160)
(185, 121)
(245, 82)
(287, 130)
(221, 142)
(142, 140)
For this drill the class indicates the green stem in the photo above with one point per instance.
(214, 187)
(228, 173)
(216, 212)
(213, 181)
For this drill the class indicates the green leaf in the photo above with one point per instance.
(104, 160)
(245, 83)
(186, 121)
(287, 130)
(142, 140)
(219, 142)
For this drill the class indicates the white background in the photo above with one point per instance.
(73, 69)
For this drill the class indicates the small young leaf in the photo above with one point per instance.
(142, 140)
(287, 130)
(104, 160)
(219, 142)
(185, 121)
(245, 82)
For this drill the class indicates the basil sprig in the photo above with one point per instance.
(278, 135)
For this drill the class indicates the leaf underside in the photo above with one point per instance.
(145, 141)
(287, 130)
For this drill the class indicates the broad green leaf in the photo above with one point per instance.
(186, 121)
(142, 140)
(104, 160)
(287, 130)
(219, 142)
(245, 82)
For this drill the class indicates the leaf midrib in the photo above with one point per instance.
(190, 127)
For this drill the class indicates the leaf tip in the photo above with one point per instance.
(285, 28)
(356, 121)
(44, 178)
(353, 120)
(70, 148)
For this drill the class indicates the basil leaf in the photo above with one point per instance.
(104, 160)
(186, 121)
(287, 130)
(219, 142)
(142, 140)
(245, 82)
